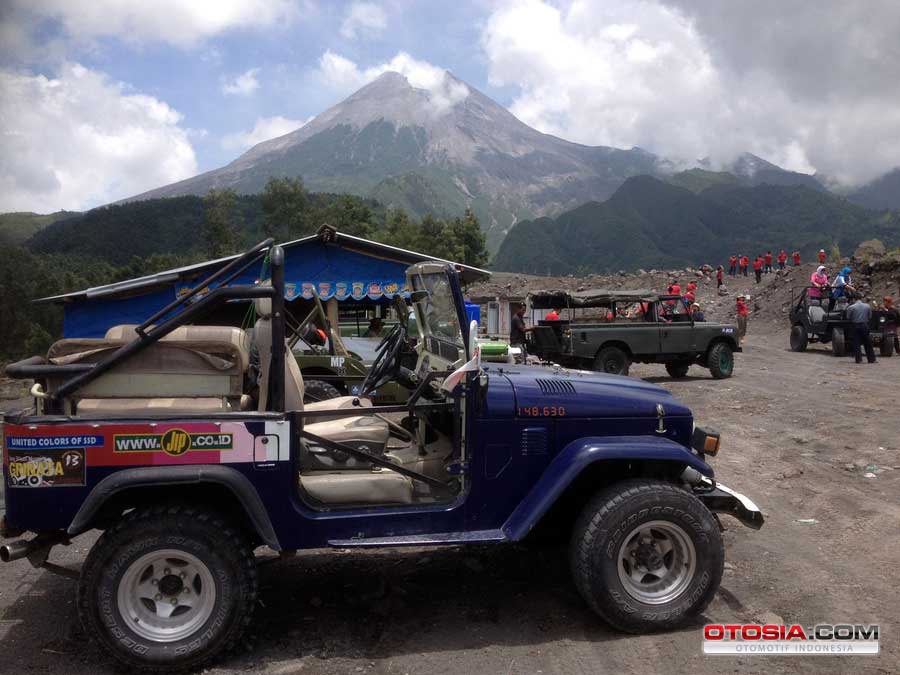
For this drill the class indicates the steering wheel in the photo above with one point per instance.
(387, 363)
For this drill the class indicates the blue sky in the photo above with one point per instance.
(103, 99)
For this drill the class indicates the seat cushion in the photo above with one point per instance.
(358, 487)
(117, 407)
(363, 429)
(210, 339)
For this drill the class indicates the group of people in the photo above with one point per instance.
(688, 299)
(839, 289)
(763, 264)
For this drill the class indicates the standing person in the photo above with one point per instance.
(745, 265)
(374, 329)
(720, 274)
(817, 282)
(517, 331)
(841, 288)
(822, 256)
(742, 313)
(732, 266)
(757, 268)
(860, 313)
(691, 287)
(782, 259)
(768, 262)
(796, 257)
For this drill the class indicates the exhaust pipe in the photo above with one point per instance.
(25, 548)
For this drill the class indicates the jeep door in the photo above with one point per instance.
(676, 330)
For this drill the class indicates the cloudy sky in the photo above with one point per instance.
(102, 99)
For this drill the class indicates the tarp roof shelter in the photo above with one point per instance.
(589, 298)
(328, 264)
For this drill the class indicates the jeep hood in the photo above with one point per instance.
(580, 393)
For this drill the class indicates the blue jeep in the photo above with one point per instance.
(189, 446)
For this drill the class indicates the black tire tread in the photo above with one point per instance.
(171, 514)
(713, 360)
(601, 357)
(591, 521)
(326, 387)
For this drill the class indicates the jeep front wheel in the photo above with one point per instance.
(721, 361)
(612, 360)
(799, 338)
(167, 588)
(647, 556)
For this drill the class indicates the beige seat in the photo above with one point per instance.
(194, 368)
(129, 407)
(381, 486)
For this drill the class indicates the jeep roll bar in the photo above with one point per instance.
(36, 367)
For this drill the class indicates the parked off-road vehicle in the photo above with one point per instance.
(812, 322)
(883, 329)
(607, 331)
(159, 436)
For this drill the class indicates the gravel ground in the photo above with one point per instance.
(798, 430)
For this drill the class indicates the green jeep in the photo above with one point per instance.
(607, 331)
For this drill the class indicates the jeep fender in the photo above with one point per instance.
(576, 456)
(230, 478)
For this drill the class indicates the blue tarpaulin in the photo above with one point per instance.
(312, 267)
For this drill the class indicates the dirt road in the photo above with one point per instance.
(799, 431)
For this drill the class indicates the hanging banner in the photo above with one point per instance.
(290, 291)
(390, 288)
(375, 291)
(342, 290)
(326, 290)
(309, 291)
(358, 291)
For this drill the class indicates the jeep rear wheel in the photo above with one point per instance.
(612, 360)
(678, 369)
(799, 338)
(319, 390)
(647, 556)
(720, 360)
(168, 588)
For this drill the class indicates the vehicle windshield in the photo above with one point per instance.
(437, 310)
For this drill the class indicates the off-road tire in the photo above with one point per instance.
(799, 338)
(319, 390)
(196, 531)
(612, 360)
(720, 360)
(887, 347)
(678, 370)
(838, 342)
(601, 530)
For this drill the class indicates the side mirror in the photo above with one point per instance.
(419, 296)
(474, 349)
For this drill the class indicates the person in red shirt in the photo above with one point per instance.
(732, 266)
(720, 274)
(691, 287)
(757, 268)
(745, 265)
(782, 259)
(822, 256)
(768, 268)
(796, 258)
(742, 313)
(552, 315)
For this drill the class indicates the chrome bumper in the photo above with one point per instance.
(719, 498)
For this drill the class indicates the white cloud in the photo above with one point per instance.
(265, 128)
(173, 21)
(242, 85)
(363, 18)
(78, 140)
(688, 79)
(344, 76)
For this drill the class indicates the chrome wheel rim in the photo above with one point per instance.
(166, 595)
(656, 562)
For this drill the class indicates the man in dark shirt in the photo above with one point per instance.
(860, 313)
(517, 330)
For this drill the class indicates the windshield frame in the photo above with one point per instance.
(416, 279)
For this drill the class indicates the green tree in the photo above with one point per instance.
(285, 203)
(465, 241)
(400, 231)
(349, 214)
(835, 253)
(219, 231)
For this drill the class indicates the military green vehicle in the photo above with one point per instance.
(607, 331)
(334, 366)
